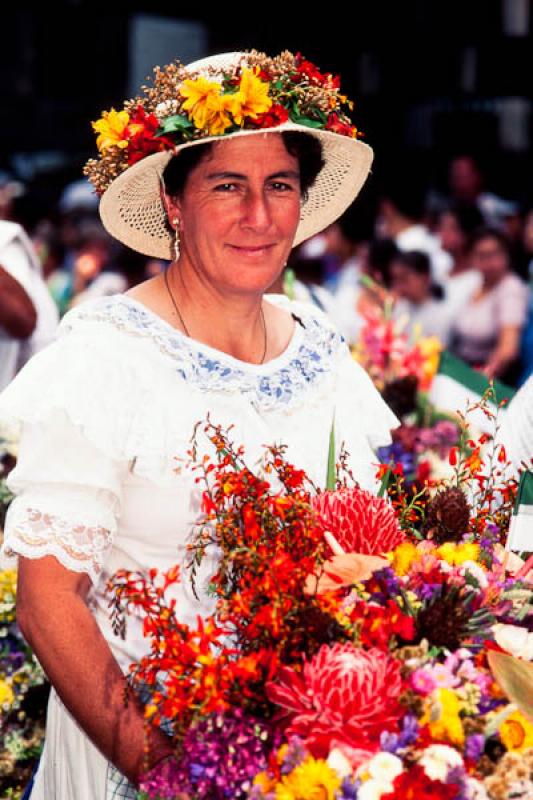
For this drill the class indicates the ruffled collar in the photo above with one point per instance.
(306, 362)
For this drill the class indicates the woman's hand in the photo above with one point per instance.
(55, 620)
(505, 352)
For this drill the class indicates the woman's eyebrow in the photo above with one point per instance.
(239, 176)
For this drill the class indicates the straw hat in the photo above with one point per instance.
(229, 94)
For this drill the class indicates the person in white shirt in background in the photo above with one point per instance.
(419, 300)
(401, 212)
(28, 315)
(354, 298)
(455, 227)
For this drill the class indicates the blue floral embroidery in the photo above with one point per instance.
(308, 359)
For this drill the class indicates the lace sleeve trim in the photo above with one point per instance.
(80, 545)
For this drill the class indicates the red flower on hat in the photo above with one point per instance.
(344, 698)
(142, 128)
(338, 126)
(359, 521)
(311, 71)
(275, 115)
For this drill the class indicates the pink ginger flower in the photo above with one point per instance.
(344, 698)
(359, 521)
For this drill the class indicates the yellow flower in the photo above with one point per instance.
(442, 716)
(403, 556)
(205, 106)
(251, 99)
(516, 732)
(456, 554)
(6, 694)
(219, 118)
(313, 779)
(111, 128)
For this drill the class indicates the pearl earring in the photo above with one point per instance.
(176, 238)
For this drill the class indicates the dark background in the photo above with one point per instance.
(430, 79)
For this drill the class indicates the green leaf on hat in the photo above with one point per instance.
(178, 122)
(311, 123)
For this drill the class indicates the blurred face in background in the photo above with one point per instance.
(465, 179)
(490, 257)
(408, 284)
(450, 234)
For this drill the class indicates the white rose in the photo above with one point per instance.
(338, 761)
(385, 767)
(515, 640)
(372, 790)
(438, 759)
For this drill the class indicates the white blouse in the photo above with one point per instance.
(102, 481)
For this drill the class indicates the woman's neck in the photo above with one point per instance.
(231, 322)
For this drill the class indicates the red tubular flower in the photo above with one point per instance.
(344, 698)
(275, 115)
(314, 75)
(337, 126)
(359, 521)
(143, 142)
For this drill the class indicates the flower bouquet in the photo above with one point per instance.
(350, 652)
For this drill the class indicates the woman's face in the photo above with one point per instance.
(239, 212)
(408, 284)
(490, 258)
(450, 234)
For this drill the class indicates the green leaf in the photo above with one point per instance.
(311, 123)
(331, 478)
(384, 483)
(178, 122)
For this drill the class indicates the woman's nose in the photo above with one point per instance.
(256, 212)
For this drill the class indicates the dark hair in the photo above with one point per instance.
(415, 260)
(306, 147)
(420, 263)
(488, 232)
(468, 217)
(381, 253)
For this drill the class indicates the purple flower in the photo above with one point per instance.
(348, 790)
(221, 757)
(392, 742)
(295, 754)
(475, 745)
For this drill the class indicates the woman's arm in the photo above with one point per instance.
(56, 622)
(17, 312)
(506, 351)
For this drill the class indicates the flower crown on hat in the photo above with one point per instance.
(184, 105)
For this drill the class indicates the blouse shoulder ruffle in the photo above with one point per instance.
(135, 387)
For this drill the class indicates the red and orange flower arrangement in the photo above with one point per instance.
(348, 656)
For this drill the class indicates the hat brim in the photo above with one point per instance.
(132, 211)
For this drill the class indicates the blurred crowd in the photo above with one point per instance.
(458, 265)
(455, 264)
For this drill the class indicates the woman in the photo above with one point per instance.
(418, 298)
(487, 332)
(102, 480)
(455, 227)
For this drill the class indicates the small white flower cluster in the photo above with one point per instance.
(166, 109)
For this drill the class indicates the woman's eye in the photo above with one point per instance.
(224, 187)
(283, 187)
